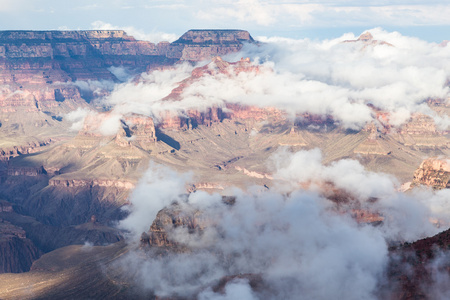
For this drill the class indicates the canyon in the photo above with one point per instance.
(63, 191)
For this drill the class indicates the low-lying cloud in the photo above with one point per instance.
(328, 78)
(290, 236)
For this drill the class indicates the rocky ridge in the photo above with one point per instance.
(418, 270)
(45, 74)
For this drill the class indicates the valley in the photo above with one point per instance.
(100, 132)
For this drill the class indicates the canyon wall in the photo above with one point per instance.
(17, 252)
(46, 74)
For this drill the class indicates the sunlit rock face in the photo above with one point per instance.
(213, 113)
(433, 172)
(204, 44)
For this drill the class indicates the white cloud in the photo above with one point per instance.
(243, 10)
(319, 77)
(288, 17)
(164, 186)
(286, 239)
(77, 118)
(236, 289)
(329, 13)
(11, 5)
(154, 36)
(288, 236)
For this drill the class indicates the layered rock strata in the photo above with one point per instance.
(46, 74)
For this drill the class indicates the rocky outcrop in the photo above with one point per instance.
(419, 270)
(17, 253)
(121, 184)
(204, 44)
(433, 172)
(367, 39)
(191, 118)
(26, 171)
(167, 219)
(205, 186)
(253, 173)
(421, 131)
(13, 151)
(5, 206)
(374, 143)
(137, 130)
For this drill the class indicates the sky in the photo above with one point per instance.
(315, 19)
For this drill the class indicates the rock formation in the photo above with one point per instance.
(374, 144)
(219, 42)
(208, 115)
(17, 252)
(418, 270)
(41, 71)
(167, 219)
(367, 39)
(433, 172)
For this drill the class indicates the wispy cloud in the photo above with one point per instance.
(154, 36)
(326, 78)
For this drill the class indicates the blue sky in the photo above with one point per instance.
(320, 19)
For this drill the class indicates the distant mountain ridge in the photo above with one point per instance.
(85, 43)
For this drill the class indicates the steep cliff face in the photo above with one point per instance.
(64, 202)
(7, 152)
(433, 172)
(109, 43)
(420, 270)
(39, 67)
(137, 130)
(204, 44)
(42, 72)
(167, 219)
(17, 253)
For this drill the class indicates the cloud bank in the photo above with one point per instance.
(290, 236)
(394, 73)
